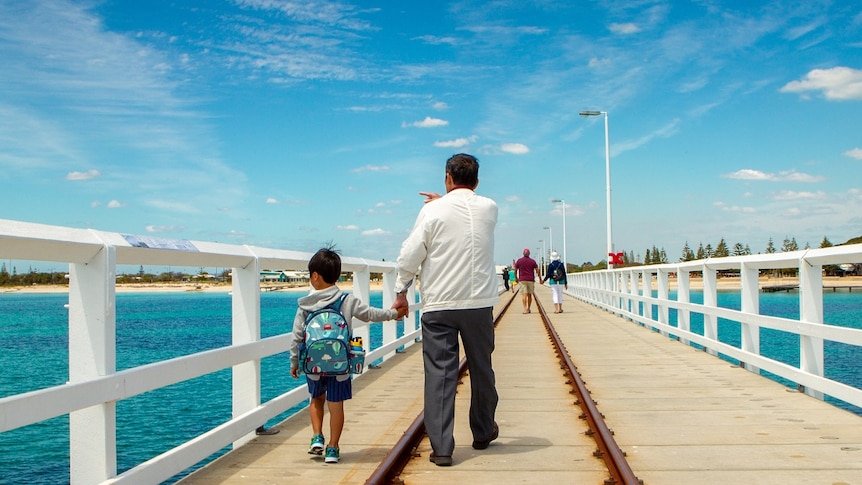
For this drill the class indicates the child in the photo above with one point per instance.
(324, 268)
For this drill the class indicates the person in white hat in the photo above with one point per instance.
(557, 275)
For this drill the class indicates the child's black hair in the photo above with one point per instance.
(327, 263)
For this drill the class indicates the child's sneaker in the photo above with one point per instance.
(332, 454)
(316, 447)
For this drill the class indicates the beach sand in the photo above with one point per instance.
(174, 287)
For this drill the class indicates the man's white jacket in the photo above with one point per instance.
(451, 248)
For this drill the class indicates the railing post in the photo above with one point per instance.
(750, 296)
(811, 310)
(646, 279)
(663, 296)
(683, 295)
(634, 291)
(245, 310)
(390, 327)
(625, 301)
(710, 299)
(93, 353)
(362, 291)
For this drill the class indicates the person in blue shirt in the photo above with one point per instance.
(557, 275)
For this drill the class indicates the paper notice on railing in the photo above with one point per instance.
(160, 243)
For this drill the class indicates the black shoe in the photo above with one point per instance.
(440, 460)
(261, 431)
(481, 445)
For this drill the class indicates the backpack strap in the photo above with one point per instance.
(337, 304)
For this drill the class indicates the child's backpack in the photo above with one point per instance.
(557, 274)
(325, 349)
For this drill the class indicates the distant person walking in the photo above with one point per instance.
(452, 243)
(528, 273)
(505, 274)
(557, 275)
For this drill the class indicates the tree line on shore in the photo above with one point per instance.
(654, 255)
(35, 277)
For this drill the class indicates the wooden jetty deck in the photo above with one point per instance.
(681, 415)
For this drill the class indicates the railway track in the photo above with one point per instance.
(390, 468)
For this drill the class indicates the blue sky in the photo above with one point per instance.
(289, 124)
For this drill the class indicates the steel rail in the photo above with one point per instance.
(390, 468)
(608, 450)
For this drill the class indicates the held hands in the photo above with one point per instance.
(294, 372)
(401, 305)
(401, 312)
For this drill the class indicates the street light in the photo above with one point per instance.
(587, 114)
(543, 250)
(550, 237)
(565, 258)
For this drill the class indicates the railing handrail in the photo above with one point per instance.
(628, 292)
(94, 386)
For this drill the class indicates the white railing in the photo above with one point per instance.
(628, 292)
(94, 387)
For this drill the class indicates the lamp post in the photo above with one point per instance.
(550, 237)
(544, 255)
(565, 257)
(587, 114)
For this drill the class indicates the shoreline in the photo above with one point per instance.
(173, 288)
(725, 284)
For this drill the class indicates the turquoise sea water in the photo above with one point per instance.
(158, 326)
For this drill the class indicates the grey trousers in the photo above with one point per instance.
(440, 330)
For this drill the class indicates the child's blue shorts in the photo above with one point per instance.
(335, 390)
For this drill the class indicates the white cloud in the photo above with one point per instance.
(794, 176)
(375, 232)
(595, 62)
(271, 200)
(854, 153)
(89, 174)
(513, 198)
(173, 206)
(349, 227)
(624, 29)
(456, 143)
(792, 195)
(440, 106)
(371, 168)
(115, 204)
(734, 208)
(785, 176)
(665, 131)
(836, 84)
(428, 122)
(435, 40)
(515, 148)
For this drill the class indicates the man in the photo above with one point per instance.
(452, 242)
(527, 274)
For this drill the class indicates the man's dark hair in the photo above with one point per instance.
(327, 263)
(464, 169)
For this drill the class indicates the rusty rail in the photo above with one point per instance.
(608, 451)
